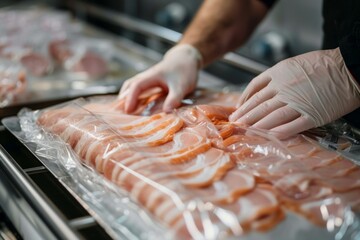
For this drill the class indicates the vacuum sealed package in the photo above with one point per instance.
(26, 35)
(63, 58)
(193, 174)
(33, 59)
(12, 81)
(88, 57)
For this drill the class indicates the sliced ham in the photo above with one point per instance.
(129, 122)
(341, 184)
(235, 183)
(301, 147)
(322, 211)
(86, 61)
(60, 50)
(321, 159)
(91, 64)
(195, 159)
(142, 161)
(217, 166)
(337, 168)
(210, 173)
(268, 222)
(37, 64)
(313, 192)
(259, 203)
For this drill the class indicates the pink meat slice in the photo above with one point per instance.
(52, 116)
(319, 212)
(119, 143)
(128, 122)
(186, 144)
(215, 168)
(36, 64)
(184, 147)
(12, 85)
(91, 133)
(268, 222)
(341, 184)
(260, 202)
(234, 184)
(144, 130)
(92, 64)
(337, 168)
(60, 50)
(313, 192)
(296, 184)
(186, 168)
(217, 160)
(210, 173)
(350, 198)
(321, 158)
(169, 161)
(160, 137)
(224, 190)
(301, 147)
(64, 127)
(215, 112)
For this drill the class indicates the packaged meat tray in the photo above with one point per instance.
(192, 174)
(62, 58)
(12, 81)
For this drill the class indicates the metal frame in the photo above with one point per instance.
(158, 32)
(50, 224)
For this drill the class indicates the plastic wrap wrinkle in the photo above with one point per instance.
(199, 175)
(12, 80)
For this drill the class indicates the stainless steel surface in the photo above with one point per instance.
(82, 222)
(159, 32)
(49, 216)
(35, 201)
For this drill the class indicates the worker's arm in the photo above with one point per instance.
(219, 26)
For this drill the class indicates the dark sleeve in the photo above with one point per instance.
(268, 3)
(350, 51)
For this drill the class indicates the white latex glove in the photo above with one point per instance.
(176, 74)
(299, 93)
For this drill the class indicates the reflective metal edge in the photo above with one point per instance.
(21, 215)
(12, 125)
(50, 217)
(159, 32)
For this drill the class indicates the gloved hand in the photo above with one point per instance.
(177, 74)
(299, 93)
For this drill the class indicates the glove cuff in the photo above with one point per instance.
(188, 50)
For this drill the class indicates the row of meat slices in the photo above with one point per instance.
(170, 163)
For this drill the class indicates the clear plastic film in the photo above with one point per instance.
(12, 81)
(26, 34)
(45, 41)
(196, 174)
(84, 56)
(61, 57)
